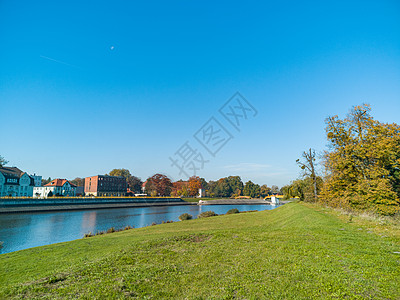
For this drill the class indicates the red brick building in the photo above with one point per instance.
(104, 185)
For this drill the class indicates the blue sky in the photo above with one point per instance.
(88, 86)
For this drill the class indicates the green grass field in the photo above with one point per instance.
(296, 251)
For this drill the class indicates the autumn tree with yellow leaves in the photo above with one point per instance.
(363, 163)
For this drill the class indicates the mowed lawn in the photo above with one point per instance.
(296, 251)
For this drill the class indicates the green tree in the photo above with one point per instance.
(134, 183)
(3, 161)
(219, 188)
(235, 186)
(211, 189)
(120, 172)
(275, 189)
(78, 181)
(225, 187)
(204, 183)
(265, 190)
(251, 189)
(46, 181)
(301, 188)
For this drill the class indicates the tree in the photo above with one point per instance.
(222, 188)
(46, 181)
(180, 189)
(3, 161)
(274, 189)
(251, 189)
(78, 181)
(194, 184)
(204, 184)
(235, 185)
(265, 190)
(301, 188)
(211, 188)
(363, 163)
(134, 183)
(225, 187)
(120, 172)
(219, 188)
(159, 185)
(308, 166)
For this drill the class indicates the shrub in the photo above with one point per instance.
(110, 230)
(232, 211)
(185, 216)
(207, 214)
(88, 235)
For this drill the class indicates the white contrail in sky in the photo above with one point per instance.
(59, 61)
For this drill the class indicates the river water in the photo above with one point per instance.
(26, 230)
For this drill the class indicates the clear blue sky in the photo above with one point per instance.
(88, 86)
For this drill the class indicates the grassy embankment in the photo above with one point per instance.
(295, 251)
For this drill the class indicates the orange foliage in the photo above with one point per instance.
(194, 185)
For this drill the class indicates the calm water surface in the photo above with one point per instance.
(26, 230)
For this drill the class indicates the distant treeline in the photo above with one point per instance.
(226, 187)
(232, 186)
(161, 185)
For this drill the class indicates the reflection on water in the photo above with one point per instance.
(26, 230)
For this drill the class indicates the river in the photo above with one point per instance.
(26, 230)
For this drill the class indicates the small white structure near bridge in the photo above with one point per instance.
(274, 200)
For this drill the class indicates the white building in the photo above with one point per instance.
(274, 200)
(56, 187)
(15, 183)
(202, 193)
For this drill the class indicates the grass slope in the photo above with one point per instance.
(293, 252)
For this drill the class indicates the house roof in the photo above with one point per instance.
(11, 171)
(15, 173)
(59, 182)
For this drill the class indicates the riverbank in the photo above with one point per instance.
(23, 205)
(47, 208)
(65, 204)
(295, 251)
(236, 202)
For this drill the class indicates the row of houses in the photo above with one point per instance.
(16, 183)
